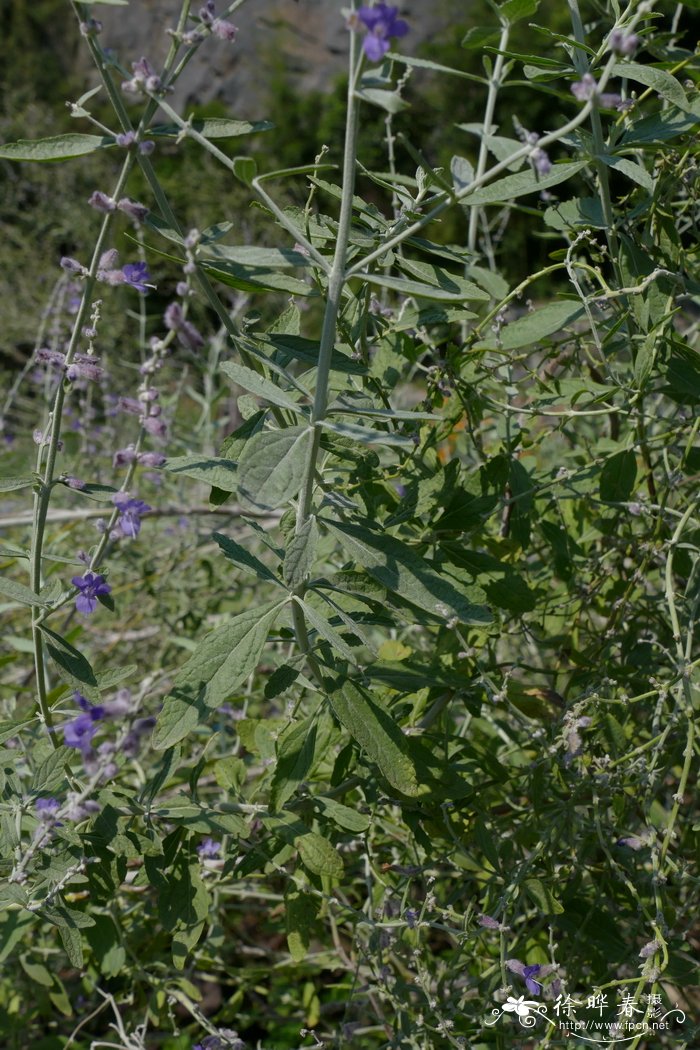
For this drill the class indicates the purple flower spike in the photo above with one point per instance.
(91, 587)
(209, 849)
(47, 807)
(381, 22)
(137, 275)
(81, 730)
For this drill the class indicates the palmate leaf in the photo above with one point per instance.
(222, 662)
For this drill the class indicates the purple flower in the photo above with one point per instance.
(126, 139)
(381, 23)
(137, 275)
(528, 973)
(488, 923)
(129, 404)
(587, 87)
(81, 730)
(91, 587)
(101, 201)
(155, 426)
(133, 209)
(130, 511)
(123, 456)
(209, 849)
(622, 42)
(47, 807)
(151, 459)
(632, 842)
(146, 147)
(223, 29)
(72, 266)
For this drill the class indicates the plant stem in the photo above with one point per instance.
(494, 85)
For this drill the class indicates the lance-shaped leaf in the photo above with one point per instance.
(244, 560)
(19, 593)
(272, 467)
(215, 127)
(405, 572)
(321, 625)
(73, 667)
(524, 182)
(260, 386)
(222, 662)
(295, 757)
(58, 147)
(300, 554)
(212, 470)
(372, 726)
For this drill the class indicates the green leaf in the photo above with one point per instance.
(37, 972)
(454, 290)
(243, 559)
(543, 897)
(436, 67)
(512, 186)
(372, 726)
(295, 756)
(300, 554)
(658, 79)
(514, 10)
(21, 481)
(346, 818)
(402, 570)
(301, 911)
(73, 944)
(58, 147)
(215, 128)
(52, 772)
(633, 171)
(73, 667)
(260, 386)
(389, 101)
(319, 856)
(212, 470)
(253, 257)
(103, 939)
(321, 625)
(618, 477)
(531, 328)
(245, 169)
(368, 435)
(14, 926)
(223, 660)
(306, 350)
(19, 593)
(580, 211)
(272, 467)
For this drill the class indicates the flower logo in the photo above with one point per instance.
(520, 1006)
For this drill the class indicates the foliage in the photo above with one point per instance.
(350, 675)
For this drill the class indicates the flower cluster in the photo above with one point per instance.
(587, 88)
(187, 335)
(144, 78)
(218, 26)
(226, 1039)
